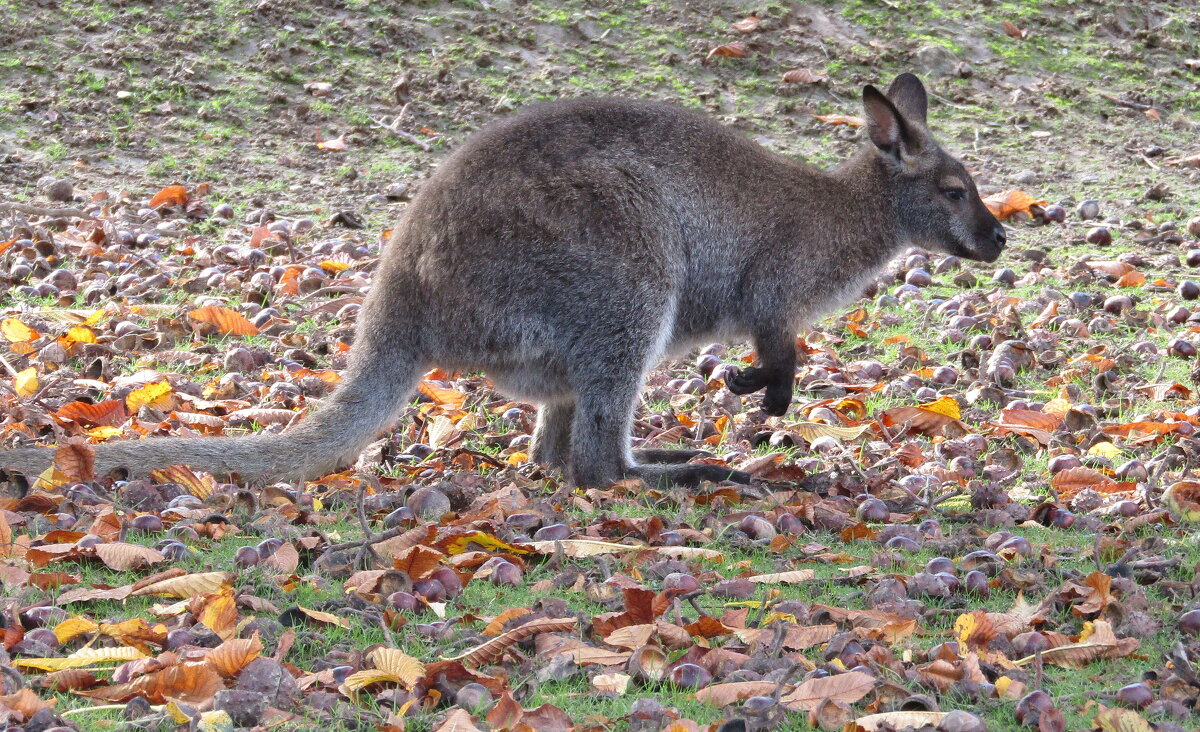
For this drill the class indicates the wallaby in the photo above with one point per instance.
(567, 249)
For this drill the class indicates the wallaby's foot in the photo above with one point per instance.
(748, 380)
(689, 476)
(667, 456)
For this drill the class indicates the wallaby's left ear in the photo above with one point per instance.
(908, 94)
(888, 129)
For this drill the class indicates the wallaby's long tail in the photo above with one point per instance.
(366, 402)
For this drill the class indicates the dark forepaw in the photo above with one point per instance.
(777, 400)
(747, 380)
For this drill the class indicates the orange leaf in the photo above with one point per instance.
(227, 321)
(170, 196)
(108, 413)
(1005, 205)
(737, 49)
(748, 24)
(232, 656)
(839, 119)
(418, 561)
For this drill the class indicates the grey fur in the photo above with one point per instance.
(567, 249)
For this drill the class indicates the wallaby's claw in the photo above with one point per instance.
(747, 380)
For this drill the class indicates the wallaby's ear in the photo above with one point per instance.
(908, 94)
(887, 127)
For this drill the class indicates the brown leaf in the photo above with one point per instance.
(802, 76)
(493, 649)
(285, 559)
(1121, 720)
(229, 322)
(846, 688)
(170, 196)
(899, 720)
(1013, 31)
(720, 695)
(77, 460)
(496, 627)
(121, 556)
(1070, 481)
(188, 585)
(194, 683)
(506, 713)
(736, 49)
(459, 720)
(748, 24)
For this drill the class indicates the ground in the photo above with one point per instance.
(1049, 396)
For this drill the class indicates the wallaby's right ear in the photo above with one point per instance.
(888, 129)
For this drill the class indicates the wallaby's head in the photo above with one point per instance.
(937, 204)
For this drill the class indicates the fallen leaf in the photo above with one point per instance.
(228, 322)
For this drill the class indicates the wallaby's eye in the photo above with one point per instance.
(954, 194)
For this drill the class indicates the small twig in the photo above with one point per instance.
(335, 548)
(7, 366)
(783, 680)
(395, 130)
(32, 210)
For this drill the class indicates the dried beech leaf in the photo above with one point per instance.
(846, 688)
(493, 649)
(122, 557)
(189, 585)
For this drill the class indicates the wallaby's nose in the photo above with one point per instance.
(1000, 236)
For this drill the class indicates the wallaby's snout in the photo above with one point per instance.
(936, 202)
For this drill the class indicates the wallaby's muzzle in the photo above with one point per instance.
(990, 245)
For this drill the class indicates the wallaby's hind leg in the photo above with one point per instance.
(552, 435)
(600, 435)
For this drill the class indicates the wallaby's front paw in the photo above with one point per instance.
(777, 400)
(747, 380)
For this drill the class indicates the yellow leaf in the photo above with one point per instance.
(945, 406)
(51, 479)
(391, 665)
(812, 430)
(150, 394)
(82, 658)
(26, 382)
(103, 433)
(965, 626)
(189, 585)
(81, 334)
(1105, 449)
(517, 458)
(1057, 406)
(330, 265)
(460, 544)
(16, 331)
